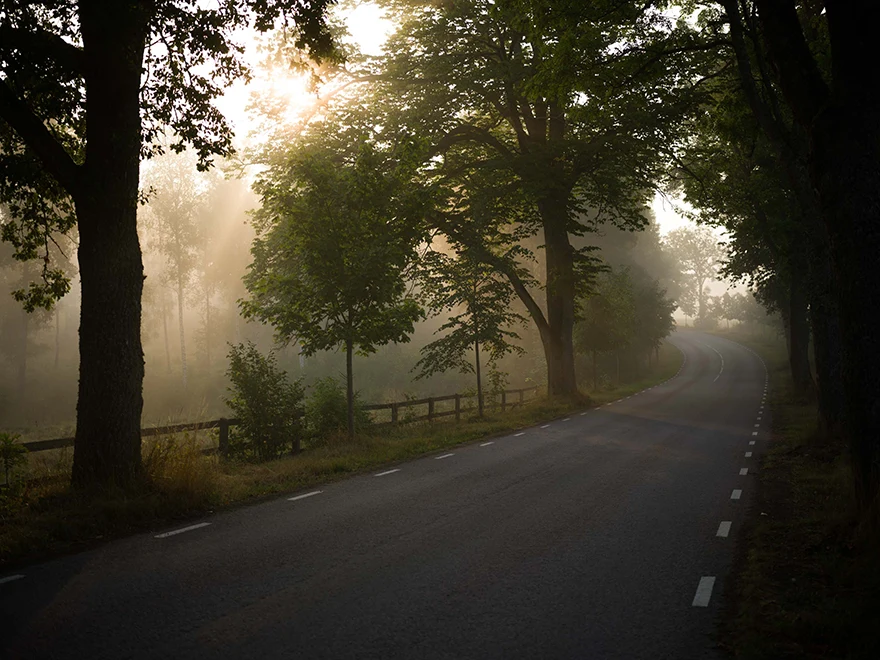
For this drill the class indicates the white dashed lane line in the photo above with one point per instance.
(704, 591)
(743, 471)
(518, 434)
(440, 458)
(751, 443)
(748, 454)
(491, 442)
(736, 494)
(382, 474)
(304, 496)
(724, 529)
(181, 530)
(10, 578)
(546, 426)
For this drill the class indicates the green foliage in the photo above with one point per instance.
(478, 299)
(701, 256)
(335, 237)
(269, 406)
(43, 83)
(327, 410)
(12, 454)
(608, 316)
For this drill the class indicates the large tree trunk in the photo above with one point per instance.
(846, 167)
(479, 379)
(560, 291)
(799, 344)
(107, 449)
(799, 325)
(827, 339)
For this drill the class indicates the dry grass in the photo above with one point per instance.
(807, 582)
(45, 518)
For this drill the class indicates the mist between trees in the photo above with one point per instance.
(519, 143)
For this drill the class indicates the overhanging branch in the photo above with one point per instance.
(37, 137)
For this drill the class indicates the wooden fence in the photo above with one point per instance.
(223, 424)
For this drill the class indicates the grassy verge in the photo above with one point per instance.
(806, 582)
(44, 519)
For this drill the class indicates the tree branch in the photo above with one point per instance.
(36, 136)
(470, 133)
(799, 74)
(43, 42)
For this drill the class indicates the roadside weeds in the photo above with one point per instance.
(806, 581)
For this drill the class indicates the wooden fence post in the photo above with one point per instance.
(430, 409)
(394, 413)
(457, 407)
(503, 400)
(223, 442)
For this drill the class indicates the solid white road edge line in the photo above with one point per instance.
(736, 494)
(724, 529)
(10, 578)
(181, 530)
(704, 591)
(743, 471)
(437, 458)
(304, 496)
(382, 474)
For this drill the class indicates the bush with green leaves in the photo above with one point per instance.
(12, 454)
(327, 410)
(268, 406)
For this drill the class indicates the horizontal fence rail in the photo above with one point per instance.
(223, 424)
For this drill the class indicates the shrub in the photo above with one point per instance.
(269, 407)
(12, 454)
(327, 410)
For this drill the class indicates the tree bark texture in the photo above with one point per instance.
(558, 341)
(107, 449)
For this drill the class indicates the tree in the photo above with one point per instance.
(700, 255)
(86, 88)
(839, 111)
(460, 283)
(336, 234)
(175, 196)
(608, 318)
(528, 90)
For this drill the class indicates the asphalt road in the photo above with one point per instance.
(595, 537)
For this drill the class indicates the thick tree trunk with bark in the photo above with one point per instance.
(799, 333)
(479, 379)
(560, 291)
(846, 166)
(107, 449)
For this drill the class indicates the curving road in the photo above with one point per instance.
(600, 536)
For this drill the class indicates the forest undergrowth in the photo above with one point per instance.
(806, 582)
